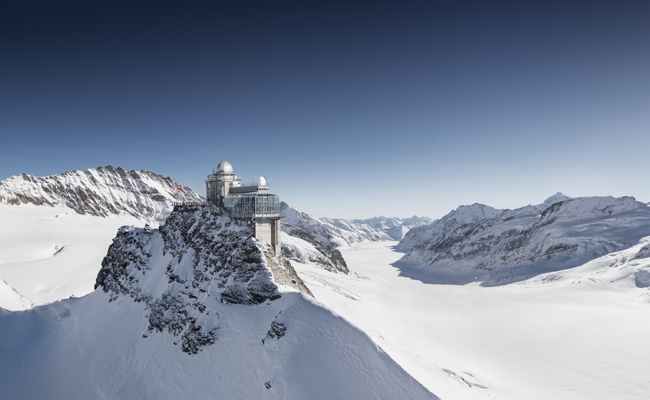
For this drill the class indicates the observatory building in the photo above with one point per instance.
(251, 203)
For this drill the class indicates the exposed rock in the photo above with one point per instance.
(642, 278)
(199, 257)
(100, 192)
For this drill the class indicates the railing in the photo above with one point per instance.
(190, 203)
(249, 216)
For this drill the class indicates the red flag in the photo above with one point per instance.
(179, 187)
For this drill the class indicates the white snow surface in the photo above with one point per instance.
(577, 334)
(11, 300)
(52, 253)
(159, 288)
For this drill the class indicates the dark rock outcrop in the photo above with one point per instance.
(195, 258)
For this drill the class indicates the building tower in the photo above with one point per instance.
(252, 203)
(219, 182)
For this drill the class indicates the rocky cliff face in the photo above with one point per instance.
(100, 192)
(519, 244)
(196, 258)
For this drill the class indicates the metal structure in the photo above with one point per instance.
(251, 203)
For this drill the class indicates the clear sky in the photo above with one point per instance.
(350, 109)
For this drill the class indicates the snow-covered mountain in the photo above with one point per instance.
(195, 309)
(460, 216)
(100, 192)
(309, 239)
(396, 228)
(556, 198)
(518, 244)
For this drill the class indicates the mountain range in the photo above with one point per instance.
(497, 247)
(101, 192)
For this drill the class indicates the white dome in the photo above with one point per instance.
(225, 167)
(261, 181)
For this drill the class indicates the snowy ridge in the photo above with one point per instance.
(629, 267)
(556, 198)
(460, 216)
(197, 309)
(11, 300)
(519, 244)
(100, 192)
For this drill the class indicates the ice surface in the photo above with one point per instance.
(580, 335)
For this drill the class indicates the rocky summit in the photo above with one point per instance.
(100, 192)
(196, 258)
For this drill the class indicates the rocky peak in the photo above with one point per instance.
(556, 198)
(197, 258)
(456, 218)
(101, 191)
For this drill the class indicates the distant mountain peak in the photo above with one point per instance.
(100, 191)
(556, 198)
(462, 215)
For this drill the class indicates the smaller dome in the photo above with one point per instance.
(225, 167)
(261, 181)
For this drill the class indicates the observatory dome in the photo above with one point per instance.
(225, 167)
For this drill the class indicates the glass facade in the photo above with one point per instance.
(253, 205)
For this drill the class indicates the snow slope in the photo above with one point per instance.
(51, 253)
(577, 334)
(519, 244)
(11, 300)
(197, 309)
(100, 192)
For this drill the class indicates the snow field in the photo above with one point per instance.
(50, 253)
(550, 338)
(89, 348)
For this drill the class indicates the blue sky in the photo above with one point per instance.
(350, 109)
